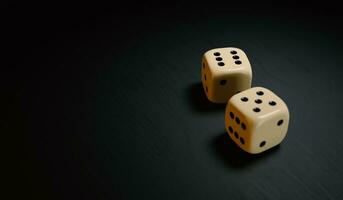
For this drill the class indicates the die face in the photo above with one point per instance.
(267, 116)
(226, 85)
(270, 131)
(238, 127)
(206, 77)
(227, 71)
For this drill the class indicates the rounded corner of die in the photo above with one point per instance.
(236, 48)
(287, 111)
(247, 73)
(204, 55)
(260, 88)
(214, 100)
(229, 102)
(207, 52)
(250, 150)
(253, 152)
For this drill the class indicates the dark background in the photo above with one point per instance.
(105, 102)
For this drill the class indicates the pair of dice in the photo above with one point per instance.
(256, 119)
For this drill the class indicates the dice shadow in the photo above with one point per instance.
(235, 158)
(198, 100)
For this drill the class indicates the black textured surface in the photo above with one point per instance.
(107, 103)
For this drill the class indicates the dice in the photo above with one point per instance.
(225, 72)
(256, 119)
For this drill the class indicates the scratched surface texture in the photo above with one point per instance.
(112, 106)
